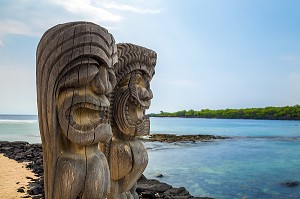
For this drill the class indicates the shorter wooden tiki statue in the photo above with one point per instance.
(127, 156)
(74, 78)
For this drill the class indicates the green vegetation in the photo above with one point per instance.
(268, 113)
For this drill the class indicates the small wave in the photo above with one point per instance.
(17, 121)
(267, 137)
(158, 148)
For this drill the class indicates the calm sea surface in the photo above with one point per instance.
(19, 128)
(261, 156)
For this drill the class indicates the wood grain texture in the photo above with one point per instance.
(74, 76)
(127, 156)
(120, 159)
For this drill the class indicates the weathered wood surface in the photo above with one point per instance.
(79, 108)
(74, 76)
(126, 155)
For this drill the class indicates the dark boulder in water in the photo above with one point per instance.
(159, 175)
(291, 183)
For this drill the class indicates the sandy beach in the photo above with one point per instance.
(13, 176)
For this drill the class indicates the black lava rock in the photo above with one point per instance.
(21, 190)
(291, 184)
(159, 175)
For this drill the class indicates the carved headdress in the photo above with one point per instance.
(62, 50)
(132, 57)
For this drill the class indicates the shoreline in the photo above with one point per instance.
(170, 138)
(219, 118)
(23, 152)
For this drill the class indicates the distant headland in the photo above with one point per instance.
(267, 113)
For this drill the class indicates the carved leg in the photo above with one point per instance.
(97, 181)
(129, 195)
(133, 191)
(68, 181)
(115, 192)
(140, 159)
(126, 195)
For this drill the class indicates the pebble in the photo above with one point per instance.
(21, 190)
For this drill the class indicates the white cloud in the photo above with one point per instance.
(14, 27)
(129, 8)
(35, 21)
(90, 9)
(25, 19)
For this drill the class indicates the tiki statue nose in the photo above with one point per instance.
(101, 83)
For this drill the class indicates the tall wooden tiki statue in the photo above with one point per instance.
(127, 156)
(74, 78)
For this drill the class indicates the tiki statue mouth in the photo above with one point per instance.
(135, 111)
(87, 116)
(84, 119)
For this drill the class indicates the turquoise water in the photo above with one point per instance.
(19, 128)
(262, 155)
(226, 127)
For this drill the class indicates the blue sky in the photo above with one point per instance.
(212, 54)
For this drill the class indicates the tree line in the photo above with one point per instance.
(268, 113)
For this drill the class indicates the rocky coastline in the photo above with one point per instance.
(32, 155)
(170, 138)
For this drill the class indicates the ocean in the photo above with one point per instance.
(19, 128)
(261, 156)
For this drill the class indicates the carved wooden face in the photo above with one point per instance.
(131, 100)
(82, 101)
(139, 101)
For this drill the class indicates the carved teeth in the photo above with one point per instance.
(72, 122)
(68, 112)
(83, 127)
(76, 126)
